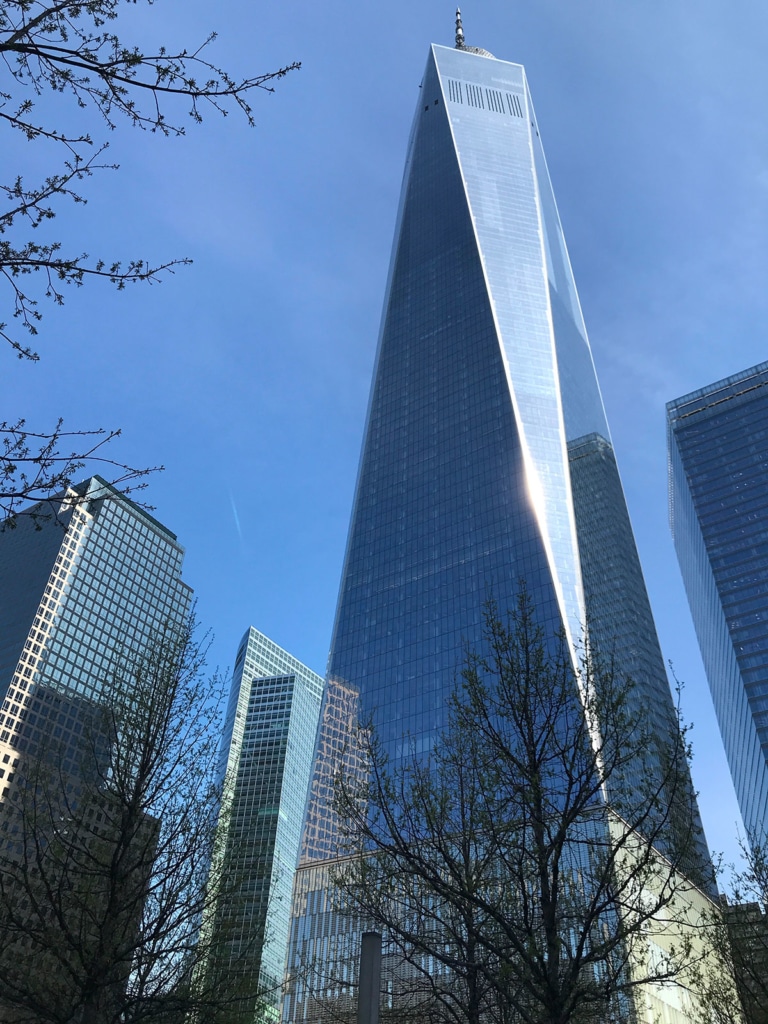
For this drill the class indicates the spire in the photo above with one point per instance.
(460, 44)
(459, 30)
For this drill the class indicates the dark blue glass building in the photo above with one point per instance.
(718, 485)
(265, 761)
(487, 459)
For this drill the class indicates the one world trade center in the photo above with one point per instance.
(487, 458)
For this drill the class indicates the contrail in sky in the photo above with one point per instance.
(237, 517)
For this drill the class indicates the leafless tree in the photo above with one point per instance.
(739, 938)
(524, 868)
(71, 48)
(109, 873)
(37, 466)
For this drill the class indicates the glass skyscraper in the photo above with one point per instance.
(83, 579)
(718, 486)
(487, 459)
(266, 759)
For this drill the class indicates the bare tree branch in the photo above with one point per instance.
(67, 47)
(739, 935)
(36, 466)
(538, 854)
(108, 837)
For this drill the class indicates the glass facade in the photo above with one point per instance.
(620, 620)
(718, 459)
(487, 460)
(266, 758)
(463, 481)
(96, 581)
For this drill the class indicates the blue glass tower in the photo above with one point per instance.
(487, 459)
(266, 759)
(98, 579)
(718, 460)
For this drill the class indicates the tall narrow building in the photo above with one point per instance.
(487, 458)
(266, 759)
(718, 477)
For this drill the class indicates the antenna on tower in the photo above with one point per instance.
(461, 45)
(459, 30)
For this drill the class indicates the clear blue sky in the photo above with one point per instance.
(247, 374)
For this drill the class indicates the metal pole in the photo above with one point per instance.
(370, 979)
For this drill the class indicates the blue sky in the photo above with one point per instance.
(247, 374)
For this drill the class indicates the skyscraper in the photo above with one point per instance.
(88, 580)
(266, 759)
(94, 581)
(487, 459)
(718, 460)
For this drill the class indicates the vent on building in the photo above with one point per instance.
(454, 91)
(514, 105)
(495, 100)
(506, 103)
(474, 95)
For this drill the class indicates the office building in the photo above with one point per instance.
(87, 581)
(747, 925)
(718, 487)
(266, 759)
(90, 577)
(487, 460)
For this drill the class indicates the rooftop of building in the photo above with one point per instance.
(714, 394)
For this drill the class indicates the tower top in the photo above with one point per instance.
(459, 30)
(460, 44)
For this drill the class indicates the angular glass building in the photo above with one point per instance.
(266, 759)
(487, 459)
(82, 579)
(718, 492)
